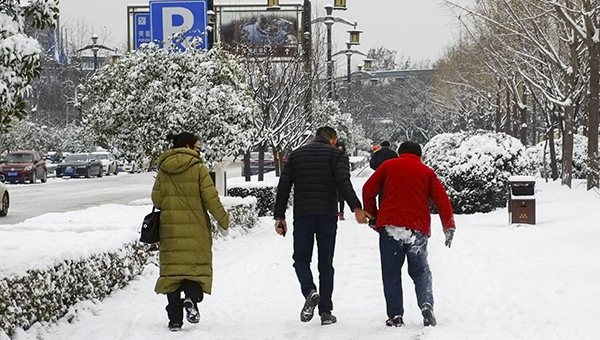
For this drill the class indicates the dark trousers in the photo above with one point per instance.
(393, 252)
(192, 290)
(325, 229)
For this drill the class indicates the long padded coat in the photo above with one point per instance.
(184, 191)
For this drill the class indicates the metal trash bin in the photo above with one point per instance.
(521, 199)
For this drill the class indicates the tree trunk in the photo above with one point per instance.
(523, 127)
(594, 106)
(261, 162)
(567, 147)
(553, 165)
(278, 162)
(508, 123)
(247, 166)
(498, 118)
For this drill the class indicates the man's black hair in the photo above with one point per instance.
(183, 139)
(410, 147)
(385, 143)
(327, 132)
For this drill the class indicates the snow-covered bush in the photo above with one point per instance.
(475, 167)
(242, 212)
(46, 295)
(150, 92)
(26, 135)
(580, 157)
(20, 53)
(265, 197)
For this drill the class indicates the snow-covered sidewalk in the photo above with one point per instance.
(496, 282)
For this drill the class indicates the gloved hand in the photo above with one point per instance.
(449, 236)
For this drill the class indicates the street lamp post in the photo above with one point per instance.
(329, 20)
(95, 48)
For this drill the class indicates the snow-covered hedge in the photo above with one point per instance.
(536, 156)
(242, 214)
(47, 294)
(265, 197)
(475, 167)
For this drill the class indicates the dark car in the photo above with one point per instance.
(21, 166)
(79, 164)
(269, 163)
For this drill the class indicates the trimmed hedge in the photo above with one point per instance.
(46, 295)
(265, 197)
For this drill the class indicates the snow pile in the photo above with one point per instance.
(580, 157)
(475, 167)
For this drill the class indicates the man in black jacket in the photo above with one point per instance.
(382, 155)
(317, 171)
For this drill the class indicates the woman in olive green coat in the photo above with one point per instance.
(185, 193)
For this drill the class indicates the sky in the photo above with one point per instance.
(419, 29)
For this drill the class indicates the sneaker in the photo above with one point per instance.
(175, 326)
(308, 311)
(428, 317)
(327, 318)
(396, 321)
(191, 311)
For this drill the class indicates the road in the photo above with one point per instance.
(68, 194)
(62, 194)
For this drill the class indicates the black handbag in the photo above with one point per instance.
(149, 233)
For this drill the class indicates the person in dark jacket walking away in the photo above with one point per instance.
(404, 226)
(340, 145)
(382, 155)
(185, 193)
(316, 171)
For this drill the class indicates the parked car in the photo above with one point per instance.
(5, 203)
(109, 164)
(21, 166)
(52, 161)
(269, 163)
(80, 164)
(130, 167)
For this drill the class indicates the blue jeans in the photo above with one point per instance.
(393, 252)
(325, 229)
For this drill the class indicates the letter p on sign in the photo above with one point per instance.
(186, 17)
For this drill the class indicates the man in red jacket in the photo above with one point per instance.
(404, 226)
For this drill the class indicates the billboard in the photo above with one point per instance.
(257, 32)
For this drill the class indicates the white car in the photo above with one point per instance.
(131, 167)
(109, 164)
(5, 200)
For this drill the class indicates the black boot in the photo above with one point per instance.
(428, 316)
(175, 311)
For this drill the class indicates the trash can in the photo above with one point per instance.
(521, 199)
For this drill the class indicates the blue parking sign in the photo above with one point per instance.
(173, 17)
(141, 28)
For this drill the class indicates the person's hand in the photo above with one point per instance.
(281, 227)
(373, 222)
(361, 216)
(449, 236)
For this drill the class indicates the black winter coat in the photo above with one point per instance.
(381, 156)
(317, 171)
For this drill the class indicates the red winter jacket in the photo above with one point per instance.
(408, 184)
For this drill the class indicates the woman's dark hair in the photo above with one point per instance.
(410, 147)
(183, 139)
(340, 143)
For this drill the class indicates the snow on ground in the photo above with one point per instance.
(496, 282)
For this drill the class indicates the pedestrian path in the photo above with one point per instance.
(496, 282)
